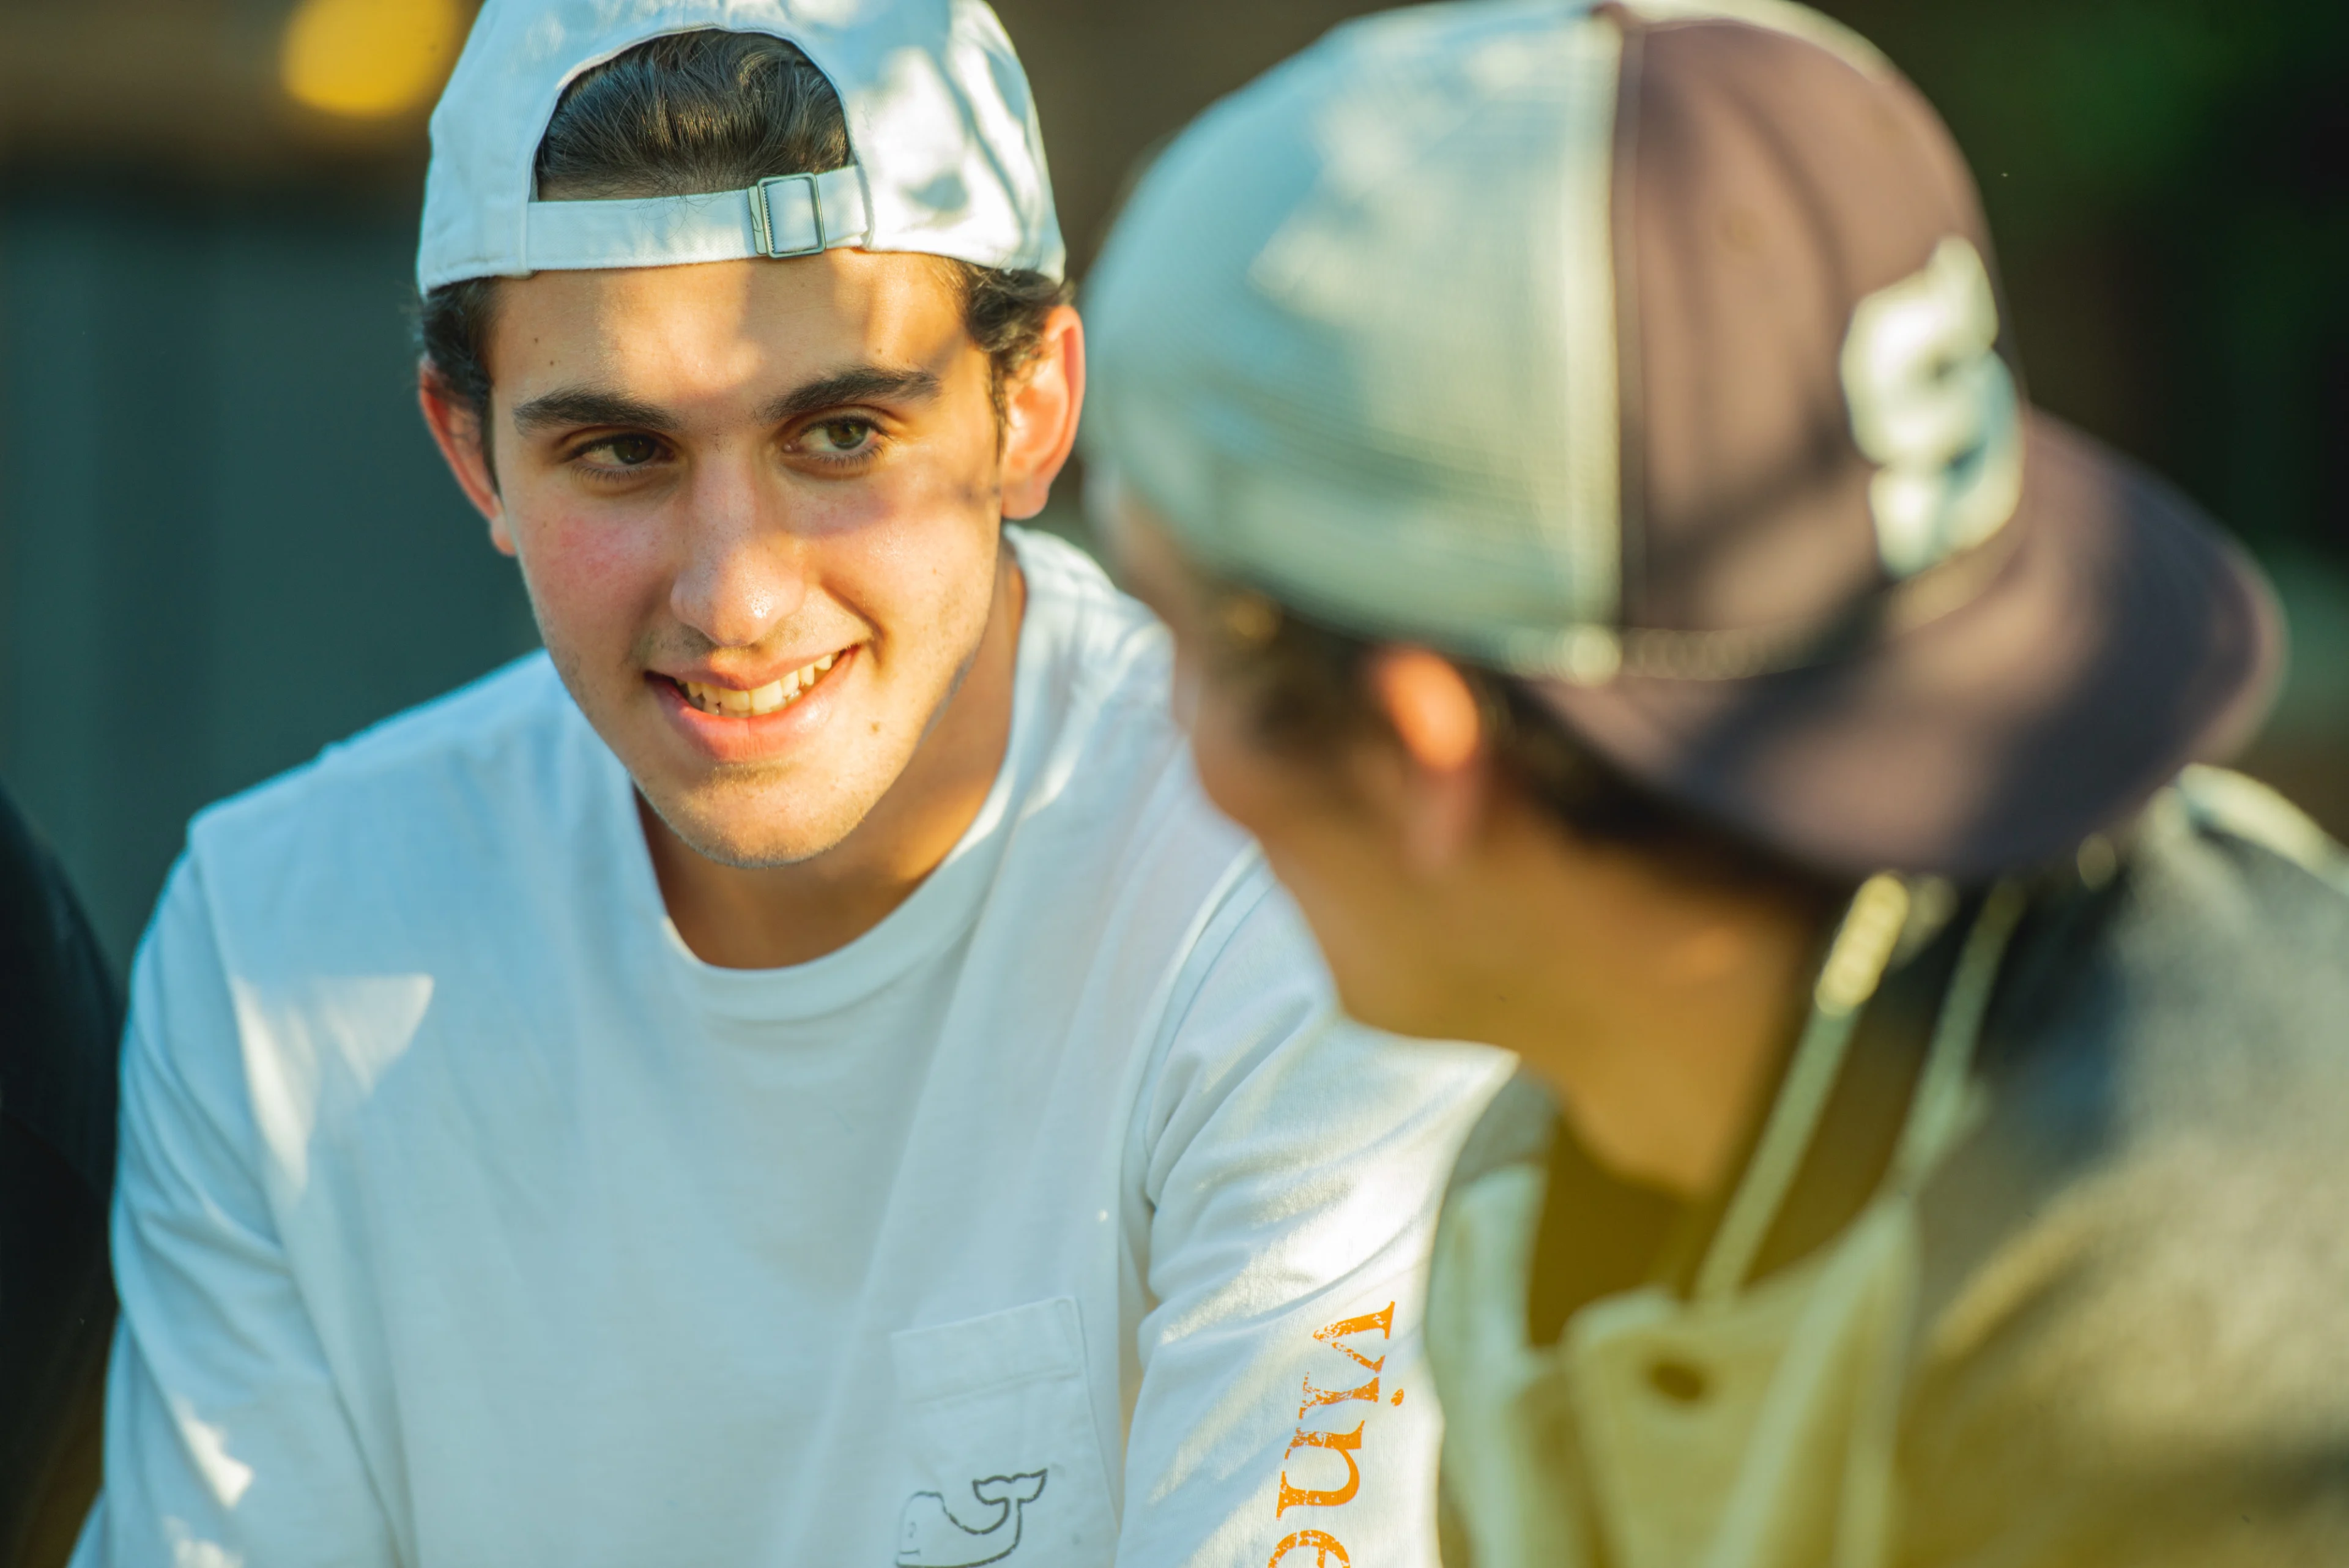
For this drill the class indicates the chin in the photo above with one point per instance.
(754, 829)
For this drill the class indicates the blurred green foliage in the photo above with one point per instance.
(2168, 183)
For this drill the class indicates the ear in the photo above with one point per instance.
(1039, 415)
(458, 431)
(1446, 772)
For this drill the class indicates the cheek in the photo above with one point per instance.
(912, 550)
(946, 474)
(588, 574)
(921, 579)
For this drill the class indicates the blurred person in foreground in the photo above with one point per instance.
(797, 1073)
(60, 1020)
(1618, 577)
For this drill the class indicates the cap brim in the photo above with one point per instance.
(2122, 638)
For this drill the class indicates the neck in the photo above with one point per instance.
(769, 916)
(1658, 1010)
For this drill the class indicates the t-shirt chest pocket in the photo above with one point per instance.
(1005, 1463)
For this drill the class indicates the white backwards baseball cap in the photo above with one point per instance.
(947, 154)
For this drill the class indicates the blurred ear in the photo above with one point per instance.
(1039, 415)
(1440, 794)
(458, 431)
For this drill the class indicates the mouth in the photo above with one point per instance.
(732, 702)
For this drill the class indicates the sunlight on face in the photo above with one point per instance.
(757, 507)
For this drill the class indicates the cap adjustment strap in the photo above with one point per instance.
(780, 217)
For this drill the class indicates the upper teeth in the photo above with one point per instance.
(733, 703)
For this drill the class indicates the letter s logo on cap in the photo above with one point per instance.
(1935, 406)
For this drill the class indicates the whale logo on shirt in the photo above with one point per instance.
(931, 1536)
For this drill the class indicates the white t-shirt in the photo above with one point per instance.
(466, 1218)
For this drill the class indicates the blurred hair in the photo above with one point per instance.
(1308, 688)
(704, 111)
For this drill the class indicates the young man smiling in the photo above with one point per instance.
(798, 1075)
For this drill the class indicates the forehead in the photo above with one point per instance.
(699, 331)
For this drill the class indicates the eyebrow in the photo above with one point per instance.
(572, 407)
(861, 384)
(575, 406)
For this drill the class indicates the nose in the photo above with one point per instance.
(742, 575)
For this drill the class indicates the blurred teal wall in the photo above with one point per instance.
(224, 539)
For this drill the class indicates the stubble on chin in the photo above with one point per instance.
(736, 819)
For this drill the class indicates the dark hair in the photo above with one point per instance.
(704, 111)
(1306, 685)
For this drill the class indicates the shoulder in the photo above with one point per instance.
(1112, 828)
(377, 821)
(2210, 974)
(2192, 1004)
(1514, 1132)
(2137, 1256)
(1256, 1055)
(1105, 650)
(1069, 583)
(2218, 805)
(318, 921)
(1482, 1269)
(1486, 1234)
(478, 729)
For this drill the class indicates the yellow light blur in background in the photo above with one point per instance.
(368, 59)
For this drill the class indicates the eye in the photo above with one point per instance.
(627, 451)
(845, 437)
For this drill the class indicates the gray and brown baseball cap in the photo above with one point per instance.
(1654, 353)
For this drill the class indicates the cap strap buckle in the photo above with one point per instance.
(770, 234)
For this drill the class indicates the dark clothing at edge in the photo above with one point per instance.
(60, 1021)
